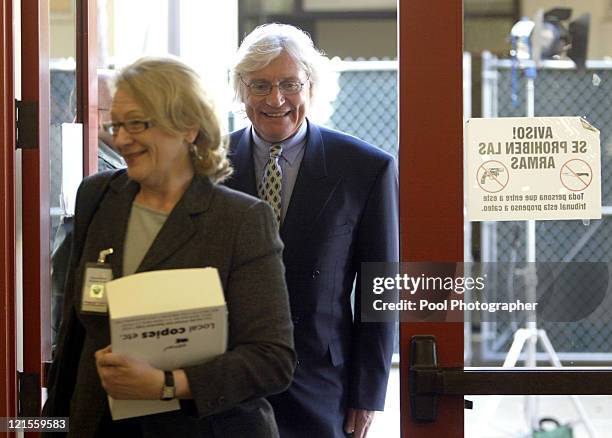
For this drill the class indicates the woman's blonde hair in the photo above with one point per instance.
(173, 96)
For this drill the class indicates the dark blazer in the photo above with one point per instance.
(343, 211)
(210, 226)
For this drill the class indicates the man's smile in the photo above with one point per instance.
(276, 114)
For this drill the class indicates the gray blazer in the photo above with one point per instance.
(210, 226)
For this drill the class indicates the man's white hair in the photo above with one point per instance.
(267, 42)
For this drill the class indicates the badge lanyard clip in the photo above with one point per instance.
(96, 276)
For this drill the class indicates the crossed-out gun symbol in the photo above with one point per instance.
(490, 173)
(576, 174)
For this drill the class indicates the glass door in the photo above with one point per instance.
(59, 93)
(8, 374)
(35, 202)
(543, 64)
(523, 376)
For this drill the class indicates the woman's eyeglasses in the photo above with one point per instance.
(131, 126)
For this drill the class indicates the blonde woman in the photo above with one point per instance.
(167, 211)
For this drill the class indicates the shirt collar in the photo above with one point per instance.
(291, 146)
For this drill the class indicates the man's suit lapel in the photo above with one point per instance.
(313, 188)
(243, 178)
(179, 228)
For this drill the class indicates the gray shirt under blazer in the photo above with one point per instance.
(210, 226)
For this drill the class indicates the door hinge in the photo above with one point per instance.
(26, 124)
(29, 394)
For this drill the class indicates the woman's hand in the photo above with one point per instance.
(126, 378)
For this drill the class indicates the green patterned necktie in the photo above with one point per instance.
(271, 184)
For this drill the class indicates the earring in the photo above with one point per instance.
(193, 150)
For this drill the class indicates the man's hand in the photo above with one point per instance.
(358, 422)
(126, 378)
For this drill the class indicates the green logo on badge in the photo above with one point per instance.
(96, 290)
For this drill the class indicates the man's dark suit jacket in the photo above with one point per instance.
(210, 226)
(343, 211)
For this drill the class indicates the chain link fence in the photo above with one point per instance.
(560, 90)
(63, 110)
(366, 104)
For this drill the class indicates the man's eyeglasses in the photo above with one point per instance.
(263, 88)
(131, 126)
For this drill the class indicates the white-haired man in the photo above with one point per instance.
(336, 200)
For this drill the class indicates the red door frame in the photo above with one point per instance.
(431, 176)
(35, 189)
(8, 354)
(87, 81)
(36, 217)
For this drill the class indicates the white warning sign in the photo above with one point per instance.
(533, 168)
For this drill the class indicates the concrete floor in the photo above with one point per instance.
(508, 415)
(387, 424)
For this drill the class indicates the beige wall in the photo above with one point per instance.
(62, 42)
(341, 38)
(488, 6)
(487, 34)
(344, 38)
(348, 5)
(600, 35)
(357, 38)
(106, 38)
(492, 34)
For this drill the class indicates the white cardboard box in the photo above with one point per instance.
(171, 319)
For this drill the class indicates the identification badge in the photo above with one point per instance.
(94, 291)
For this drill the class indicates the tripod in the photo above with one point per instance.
(529, 336)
